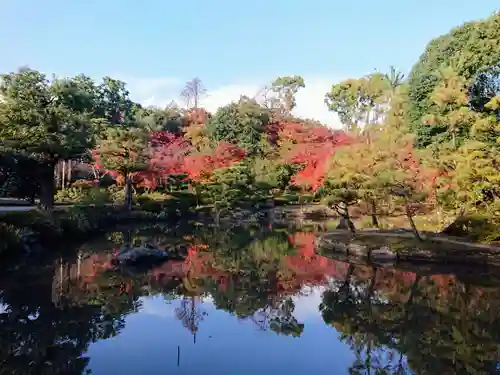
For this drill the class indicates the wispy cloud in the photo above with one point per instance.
(160, 91)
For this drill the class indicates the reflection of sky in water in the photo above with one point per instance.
(224, 344)
(3, 308)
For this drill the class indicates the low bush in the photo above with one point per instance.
(155, 202)
(84, 191)
(70, 195)
(477, 227)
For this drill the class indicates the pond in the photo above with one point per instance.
(247, 300)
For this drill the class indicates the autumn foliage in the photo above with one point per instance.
(200, 166)
(310, 146)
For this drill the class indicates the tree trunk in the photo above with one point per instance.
(47, 185)
(96, 175)
(271, 215)
(345, 220)
(450, 228)
(217, 217)
(409, 301)
(69, 172)
(412, 223)
(374, 214)
(371, 288)
(127, 238)
(128, 192)
(63, 174)
(346, 285)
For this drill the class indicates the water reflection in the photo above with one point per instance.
(247, 300)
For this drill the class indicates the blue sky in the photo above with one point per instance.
(224, 344)
(233, 46)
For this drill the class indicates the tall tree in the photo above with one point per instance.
(449, 115)
(286, 88)
(114, 103)
(192, 92)
(469, 49)
(394, 78)
(46, 120)
(358, 102)
(193, 126)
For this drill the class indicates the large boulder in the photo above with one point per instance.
(140, 254)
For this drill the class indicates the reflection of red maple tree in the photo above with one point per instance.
(305, 243)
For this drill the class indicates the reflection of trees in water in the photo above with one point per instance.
(441, 325)
(39, 336)
(393, 320)
(253, 289)
(190, 313)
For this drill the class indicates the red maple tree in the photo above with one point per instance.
(200, 166)
(167, 151)
(308, 145)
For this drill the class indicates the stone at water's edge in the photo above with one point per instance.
(434, 248)
(136, 254)
(382, 254)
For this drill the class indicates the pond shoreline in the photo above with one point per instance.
(41, 231)
(434, 248)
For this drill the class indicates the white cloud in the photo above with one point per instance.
(310, 100)
(307, 304)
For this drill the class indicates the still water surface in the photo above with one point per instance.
(243, 301)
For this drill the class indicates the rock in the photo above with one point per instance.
(140, 254)
(357, 250)
(162, 215)
(383, 254)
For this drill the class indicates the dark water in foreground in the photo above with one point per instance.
(245, 301)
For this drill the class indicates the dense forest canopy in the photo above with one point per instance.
(470, 51)
(421, 144)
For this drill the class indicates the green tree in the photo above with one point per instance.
(394, 79)
(125, 152)
(449, 115)
(242, 123)
(44, 120)
(113, 103)
(160, 119)
(473, 180)
(359, 102)
(272, 174)
(286, 88)
(401, 173)
(469, 49)
(342, 190)
(228, 186)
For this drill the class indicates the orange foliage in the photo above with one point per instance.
(309, 145)
(199, 167)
